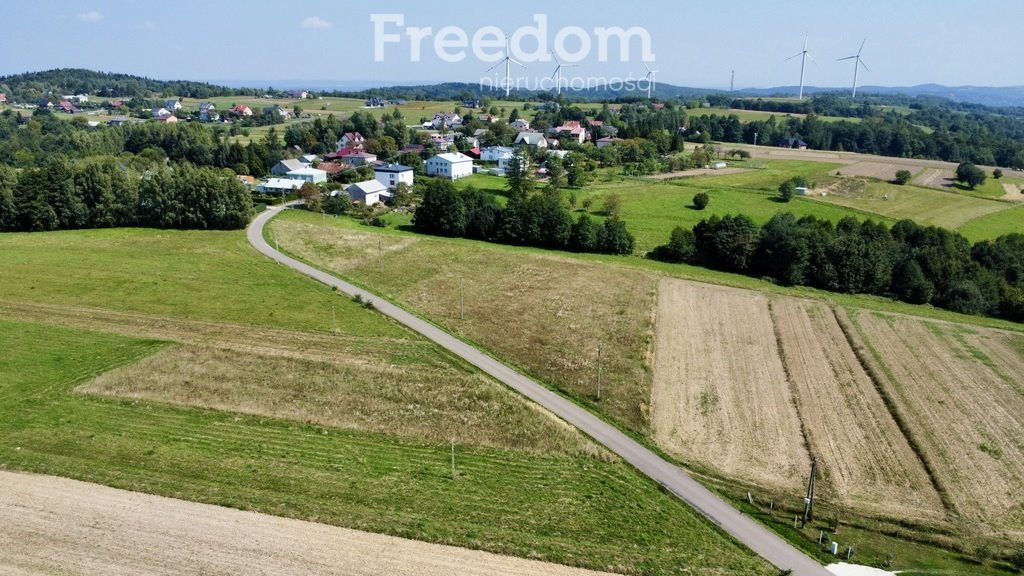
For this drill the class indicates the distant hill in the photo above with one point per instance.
(31, 86)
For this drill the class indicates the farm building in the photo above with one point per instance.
(368, 192)
(452, 166)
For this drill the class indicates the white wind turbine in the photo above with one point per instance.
(650, 79)
(558, 73)
(803, 60)
(856, 66)
(507, 60)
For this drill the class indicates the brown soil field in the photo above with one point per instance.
(720, 397)
(936, 178)
(960, 391)
(544, 312)
(866, 462)
(881, 170)
(698, 172)
(61, 526)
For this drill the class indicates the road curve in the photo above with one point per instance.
(755, 536)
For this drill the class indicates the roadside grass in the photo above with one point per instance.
(417, 395)
(577, 511)
(208, 275)
(545, 312)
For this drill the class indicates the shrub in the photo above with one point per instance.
(700, 200)
(902, 177)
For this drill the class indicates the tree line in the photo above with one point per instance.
(910, 262)
(103, 192)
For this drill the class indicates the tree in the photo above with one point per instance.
(311, 195)
(403, 195)
(612, 205)
(970, 175)
(997, 173)
(442, 211)
(584, 234)
(680, 247)
(700, 200)
(787, 190)
(518, 178)
(614, 238)
(337, 203)
(902, 177)
(556, 172)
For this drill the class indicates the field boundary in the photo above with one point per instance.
(847, 327)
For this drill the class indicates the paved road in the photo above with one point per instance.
(756, 537)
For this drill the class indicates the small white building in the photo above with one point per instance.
(505, 164)
(391, 175)
(279, 185)
(451, 165)
(535, 139)
(369, 192)
(308, 174)
(496, 153)
(520, 124)
(718, 165)
(801, 191)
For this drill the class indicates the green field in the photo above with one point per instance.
(579, 507)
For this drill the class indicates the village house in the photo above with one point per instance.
(368, 192)
(358, 158)
(520, 124)
(285, 166)
(391, 175)
(173, 105)
(241, 110)
(446, 120)
(159, 112)
(307, 174)
(573, 129)
(534, 139)
(279, 185)
(353, 140)
(607, 141)
(496, 153)
(451, 165)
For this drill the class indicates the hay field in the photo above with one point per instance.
(545, 312)
(720, 396)
(880, 169)
(867, 463)
(960, 391)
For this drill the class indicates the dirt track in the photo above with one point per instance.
(60, 526)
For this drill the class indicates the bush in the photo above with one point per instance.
(786, 191)
(700, 200)
(902, 177)
(997, 173)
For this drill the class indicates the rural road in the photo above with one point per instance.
(755, 536)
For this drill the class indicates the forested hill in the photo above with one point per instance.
(31, 86)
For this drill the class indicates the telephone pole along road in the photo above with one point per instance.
(755, 536)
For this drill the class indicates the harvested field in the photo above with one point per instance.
(720, 396)
(867, 464)
(881, 170)
(1012, 192)
(960, 391)
(935, 178)
(412, 400)
(60, 526)
(544, 312)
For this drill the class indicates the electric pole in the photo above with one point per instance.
(599, 371)
(809, 499)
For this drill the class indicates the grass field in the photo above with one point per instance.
(505, 300)
(573, 510)
(994, 225)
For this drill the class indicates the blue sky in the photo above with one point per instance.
(692, 43)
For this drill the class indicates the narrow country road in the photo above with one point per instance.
(749, 532)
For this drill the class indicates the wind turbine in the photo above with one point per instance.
(650, 79)
(856, 66)
(558, 72)
(508, 74)
(803, 60)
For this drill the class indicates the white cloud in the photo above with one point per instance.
(90, 16)
(147, 25)
(316, 23)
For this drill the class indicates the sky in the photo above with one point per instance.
(687, 43)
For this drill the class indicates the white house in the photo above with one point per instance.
(279, 185)
(368, 192)
(391, 175)
(160, 112)
(505, 164)
(172, 105)
(308, 159)
(496, 153)
(351, 140)
(451, 165)
(535, 139)
(308, 175)
(285, 166)
(520, 124)
(607, 141)
(446, 120)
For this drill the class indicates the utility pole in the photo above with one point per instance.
(380, 255)
(325, 225)
(462, 301)
(599, 371)
(809, 499)
(732, 82)
(453, 459)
